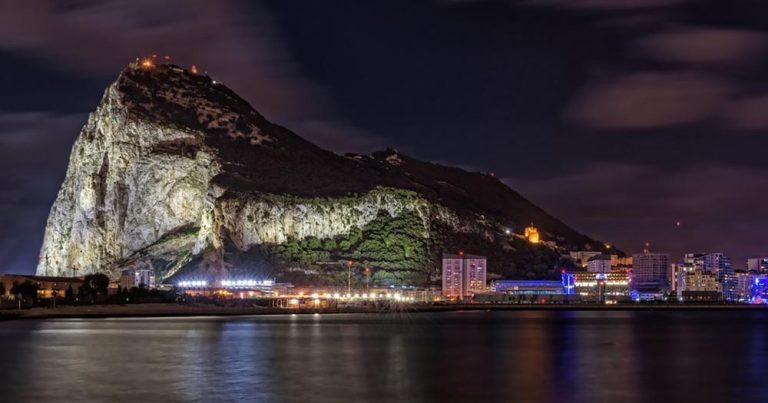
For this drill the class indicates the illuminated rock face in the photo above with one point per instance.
(120, 195)
(172, 168)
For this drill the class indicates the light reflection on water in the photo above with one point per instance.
(529, 356)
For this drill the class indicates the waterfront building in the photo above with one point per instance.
(453, 276)
(597, 287)
(650, 273)
(463, 275)
(136, 277)
(47, 286)
(758, 265)
(677, 274)
(600, 263)
(700, 286)
(744, 284)
(528, 287)
(759, 290)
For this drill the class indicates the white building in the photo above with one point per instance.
(463, 275)
(135, 277)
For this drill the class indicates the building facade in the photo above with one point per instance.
(758, 265)
(134, 278)
(717, 263)
(677, 273)
(597, 287)
(601, 263)
(700, 286)
(47, 287)
(650, 272)
(463, 275)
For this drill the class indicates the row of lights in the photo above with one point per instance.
(246, 283)
(193, 284)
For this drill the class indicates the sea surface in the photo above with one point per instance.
(509, 356)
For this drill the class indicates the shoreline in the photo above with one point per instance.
(173, 310)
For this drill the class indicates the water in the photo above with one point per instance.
(525, 356)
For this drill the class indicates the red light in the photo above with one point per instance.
(349, 263)
(461, 253)
(166, 57)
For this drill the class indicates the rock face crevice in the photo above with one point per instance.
(172, 170)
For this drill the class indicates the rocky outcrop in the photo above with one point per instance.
(172, 167)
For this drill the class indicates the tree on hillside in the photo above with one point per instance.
(94, 285)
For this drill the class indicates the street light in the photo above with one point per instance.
(349, 277)
(367, 278)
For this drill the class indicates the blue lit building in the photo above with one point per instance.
(759, 290)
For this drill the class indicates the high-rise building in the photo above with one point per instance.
(717, 263)
(463, 274)
(758, 265)
(599, 264)
(453, 276)
(650, 272)
(694, 259)
(677, 274)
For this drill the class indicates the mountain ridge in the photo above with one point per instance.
(177, 173)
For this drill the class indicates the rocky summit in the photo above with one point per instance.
(177, 173)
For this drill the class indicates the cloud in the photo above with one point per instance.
(648, 100)
(748, 113)
(703, 44)
(605, 5)
(721, 207)
(244, 52)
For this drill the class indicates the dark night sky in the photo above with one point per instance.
(621, 117)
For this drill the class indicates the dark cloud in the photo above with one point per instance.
(82, 40)
(605, 5)
(245, 52)
(628, 204)
(703, 44)
(747, 113)
(648, 100)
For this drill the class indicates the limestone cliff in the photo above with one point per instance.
(175, 172)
